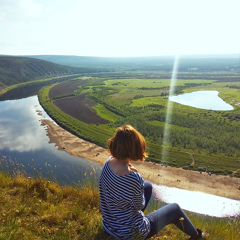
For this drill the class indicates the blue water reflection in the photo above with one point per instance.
(24, 142)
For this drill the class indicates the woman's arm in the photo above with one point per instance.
(139, 198)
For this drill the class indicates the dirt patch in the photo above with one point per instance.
(65, 88)
(79, 107)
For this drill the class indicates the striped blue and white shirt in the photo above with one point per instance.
(121, 201)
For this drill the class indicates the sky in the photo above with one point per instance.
(119, 28)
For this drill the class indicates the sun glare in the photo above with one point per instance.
(169, 108)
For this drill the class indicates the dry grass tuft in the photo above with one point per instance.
(38, 209)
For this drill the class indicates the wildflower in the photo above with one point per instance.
(181, 219)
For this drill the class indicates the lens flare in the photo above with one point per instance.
(167, 125)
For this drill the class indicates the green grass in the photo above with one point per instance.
(35, 208)
(105, 113)
(145, 101)
(149, 83)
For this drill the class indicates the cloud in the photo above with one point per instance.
(12, 11)
(28, 137)
(118, 28)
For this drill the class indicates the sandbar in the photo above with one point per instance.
(219, 185)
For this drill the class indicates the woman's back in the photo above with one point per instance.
(121, 200)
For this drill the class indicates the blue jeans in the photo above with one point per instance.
(170, 213)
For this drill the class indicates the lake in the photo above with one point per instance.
(208, 100)
(25, 146)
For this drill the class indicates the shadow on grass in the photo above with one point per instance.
(101, 234)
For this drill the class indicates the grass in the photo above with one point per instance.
(39, 209)
(106, 114)
(35, 208)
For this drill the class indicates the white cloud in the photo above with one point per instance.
(109, 27)
(20, 10)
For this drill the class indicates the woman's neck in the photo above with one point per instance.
(120, 167)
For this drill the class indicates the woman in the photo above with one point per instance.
(124, 194)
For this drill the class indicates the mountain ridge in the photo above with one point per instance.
(14, 70)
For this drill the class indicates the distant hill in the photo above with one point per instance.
(201, 63)
(18, 69)
(113, 63)
(15, 70)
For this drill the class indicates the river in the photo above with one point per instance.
(24, 145)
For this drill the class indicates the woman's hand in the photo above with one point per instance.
(132, 168)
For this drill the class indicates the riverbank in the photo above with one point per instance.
(224, 186)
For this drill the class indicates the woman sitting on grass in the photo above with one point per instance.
(124, 194)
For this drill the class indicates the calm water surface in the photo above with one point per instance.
(208, 100)
(23, 139)
(25, 146)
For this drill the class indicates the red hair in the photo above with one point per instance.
(127, 143)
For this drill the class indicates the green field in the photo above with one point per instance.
(212, 136)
